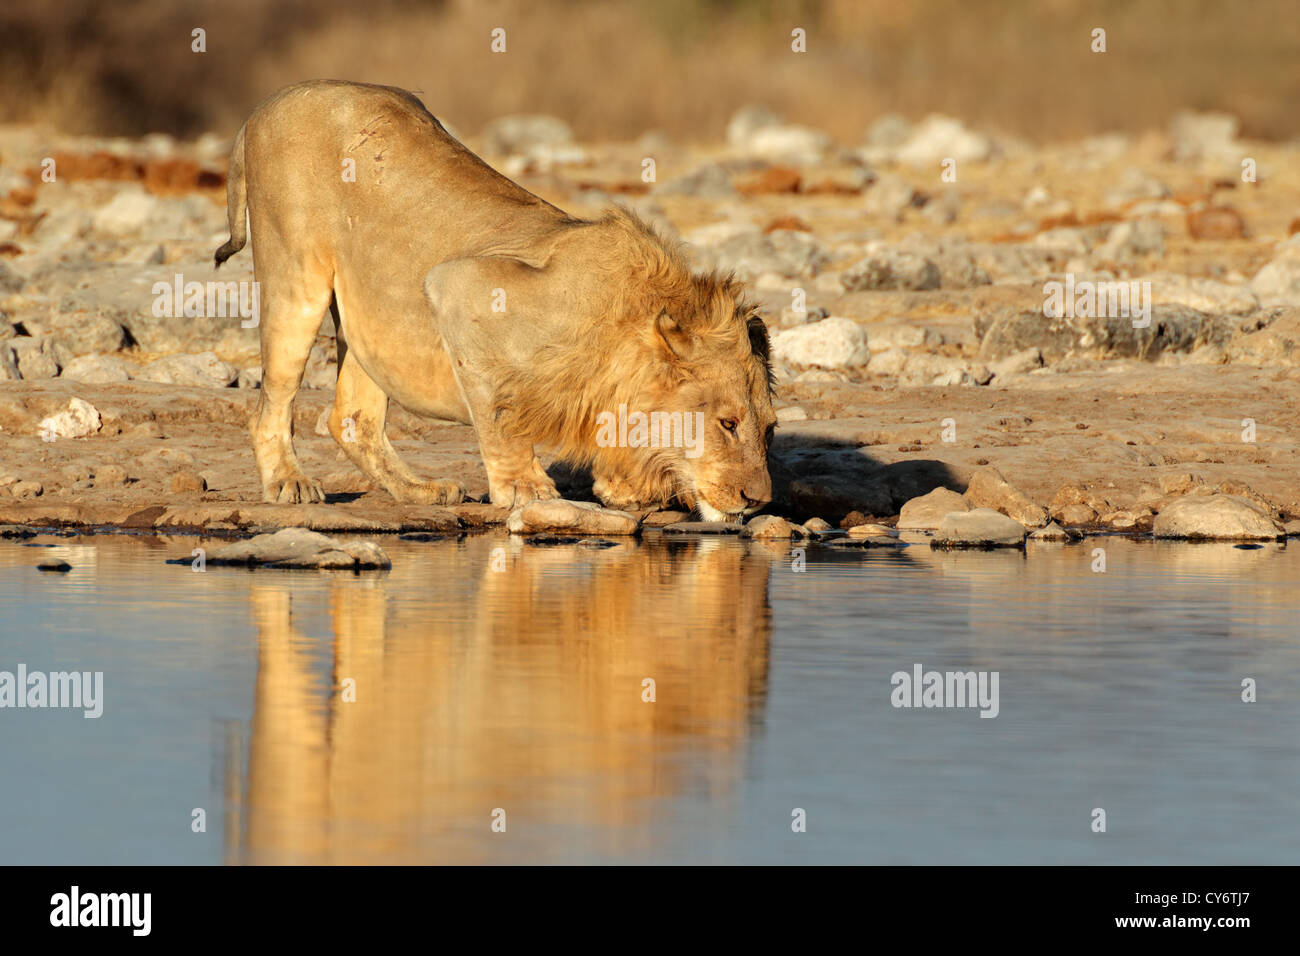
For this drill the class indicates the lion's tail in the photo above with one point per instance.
(236, 202)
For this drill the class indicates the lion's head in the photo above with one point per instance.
(665, 389)
(692, 356)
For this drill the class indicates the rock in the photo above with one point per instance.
(757, 132)
(747, 121)
(703, 527)
(204, 369)
(799, 145)
(1278, 283)
(82, 330)
(1277, 343)
(109, 475)
(927, 512)
(709, 181)
(1171, 329)
(579, 517)
(1018, 363)
(8, 365)
(832, 343)
(952, 377)
(1209, 136)
(791, 318)
(1052, 532)
(299, 548)
(1121, 520)
(817, 526)
(892, 270)
(791, 413)
(79, 420)
(1180, 483)
(1216, 517)
(980, 528)
(1201, 295)
(871, 530)
(1134, 184)
(36, 358)
(127, 212)
(889, 197)
(988, 488)
(1292, 528)
(26, 489)
(1129, 240)
(750, 254)
(187, 482)
(888, 131)
(937, 138)
(1216, 222)
(942, 210)
(11, 280)
(889, 362)
(1076, 515)
(97, 370)
(522, 133)
(767, 526)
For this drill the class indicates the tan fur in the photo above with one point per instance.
(531, 322)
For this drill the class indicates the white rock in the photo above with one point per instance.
(79, 420)
(127, 212)
(300, 548)
(576, 517)
(97, 370)
(832, 343)
(1278, 283)
(747, 121)
(937, 138)
(980, 528)
(204, 369)
(1216, 517)
(788, 144)
(1203, 295)
(524, 132)
(928, 511)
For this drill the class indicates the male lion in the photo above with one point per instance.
(463, 296)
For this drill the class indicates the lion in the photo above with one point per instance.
(464, 297)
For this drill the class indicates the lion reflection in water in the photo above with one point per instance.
(528, 699)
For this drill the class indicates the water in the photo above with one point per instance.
(520, 690)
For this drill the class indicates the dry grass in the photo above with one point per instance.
(617, 68)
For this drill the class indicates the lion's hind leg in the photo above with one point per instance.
(291, 317)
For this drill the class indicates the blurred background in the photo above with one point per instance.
(616, 69)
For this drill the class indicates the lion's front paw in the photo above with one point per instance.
(431, 493)
(516, 494)
(294, 490)
(622, 495)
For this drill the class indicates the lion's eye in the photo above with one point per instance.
(730, 424)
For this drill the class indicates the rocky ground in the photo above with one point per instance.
(903, 280)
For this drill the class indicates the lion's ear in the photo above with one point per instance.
(672, 336)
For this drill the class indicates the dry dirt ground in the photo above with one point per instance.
(957, 367)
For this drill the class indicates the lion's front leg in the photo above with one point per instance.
(515, 476)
